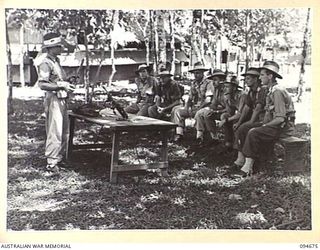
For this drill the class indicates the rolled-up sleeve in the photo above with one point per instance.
(44, 72)
(279, 104)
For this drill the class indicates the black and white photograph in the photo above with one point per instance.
(171, 119)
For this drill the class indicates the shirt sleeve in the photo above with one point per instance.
(242, 101)
(249, 100)
(176, 93)
(156, 86)
(279, 104)
(262, 95)
(44, 72)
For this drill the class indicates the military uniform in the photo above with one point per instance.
(168, 93)
(253, 98)
(55, 104)
(233, 104)
(147, 90)
(197, 97)
(205, 117)
(278, 104)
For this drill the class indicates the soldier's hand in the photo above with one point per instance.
(71, 87)
(221, 123)
(236, 126)
(63, 84)
(160, 110)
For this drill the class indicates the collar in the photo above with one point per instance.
(53, 58)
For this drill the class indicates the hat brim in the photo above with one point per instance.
(200, 69)
(147, 68)
(277, 75)
(217, 74)
(251, 74)
(234, 84)
(52, 45)
(164, 75)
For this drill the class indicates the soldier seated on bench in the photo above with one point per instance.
(205, 117)
(278, 119)
(234, 99)
(253, 111)
(169, 96)
(147, 90)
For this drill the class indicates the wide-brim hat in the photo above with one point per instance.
(198, 66)
(273, 67)
(235, 84)
(52, 40)
(252, 71)
(217, 72)
(164, 73)
(142, 67)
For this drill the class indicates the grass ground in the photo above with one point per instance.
(196, 195)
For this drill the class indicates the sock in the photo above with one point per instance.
(200, 134)
(248, 165)
(240, 160)
(179, 131)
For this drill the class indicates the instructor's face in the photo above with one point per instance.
(55, 51)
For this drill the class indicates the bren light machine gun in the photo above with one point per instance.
(114, 105)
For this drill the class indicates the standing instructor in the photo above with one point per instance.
(52, 79)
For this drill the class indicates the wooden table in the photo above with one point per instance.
(116, 127)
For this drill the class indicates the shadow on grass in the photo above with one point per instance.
(195, 195)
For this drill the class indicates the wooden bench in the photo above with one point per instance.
(290, 154)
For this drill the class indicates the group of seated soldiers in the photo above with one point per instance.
(250, 117)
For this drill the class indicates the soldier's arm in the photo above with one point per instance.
(44, 79)
(279, 109)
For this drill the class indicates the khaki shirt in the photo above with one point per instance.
(50, 70)
(278, 104)
(218, 98)
(257, 97)
(235, 102)
(169, 93)
(198, 91)
(147, 89)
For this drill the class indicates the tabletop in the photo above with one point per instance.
(111, 121)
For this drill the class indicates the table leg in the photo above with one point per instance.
(164, 151)
(114, 156)
(71, 134)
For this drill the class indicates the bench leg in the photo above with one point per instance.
(114, 156)
(164, 151)
(71, 135)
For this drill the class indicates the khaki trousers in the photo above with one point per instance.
(57, 128)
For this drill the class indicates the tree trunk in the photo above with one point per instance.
(146, 37)
(115, 21)
(162, 38)
(202, 51)
(156, 40)
(9, 72)
(22, 80)
(173, 64)
(196, 49)
(301, 82)
(87, 71)
(247, 37)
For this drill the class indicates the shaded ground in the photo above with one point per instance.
(195, 195)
